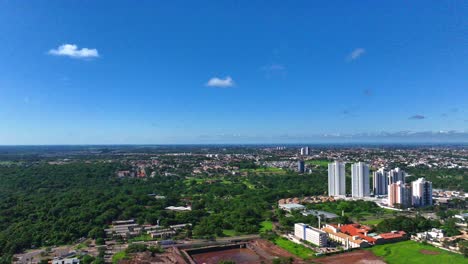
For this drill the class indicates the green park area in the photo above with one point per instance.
(266, 226)
(293, 248)
(409, 252)
(264, 170)
(321, 163)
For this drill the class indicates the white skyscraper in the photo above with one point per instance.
(336, 179)
(305, 151)
(422, 192)
(360, 179)
(395, 175)
(380, 182)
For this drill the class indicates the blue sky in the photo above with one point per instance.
(229, 71)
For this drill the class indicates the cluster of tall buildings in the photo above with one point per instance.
(305, 151)
(416, 194)
(391, 183)
(359, 179)
(382, 179)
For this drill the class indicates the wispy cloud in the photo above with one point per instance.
(355, 54)
(72, 51)
(219, 82)
(417, 117)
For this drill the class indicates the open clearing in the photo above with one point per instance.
(354, 257)
(409, 252)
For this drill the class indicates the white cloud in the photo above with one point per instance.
(218, 82)
(72, 51)
(355, 54)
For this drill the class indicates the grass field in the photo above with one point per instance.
(266, 226)
(321, 163)
(142, 237)
(248, 184)
(229, 232)
(409, 252)
(189, 180)
(295, 249)
(267, 170)
(372, 221)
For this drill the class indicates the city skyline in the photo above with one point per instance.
(214, 72)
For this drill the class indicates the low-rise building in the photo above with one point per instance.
(291, 207)
(433, 234)
(323, 214)
(335, 234)
(179, 208)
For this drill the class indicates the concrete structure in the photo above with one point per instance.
(336, 179)
(380, 182)
(396, 175)
(360, 179)
(310, 234)
(291, 207)
(422, 193)
(300, 166)
(399, 195)
(305, 151)
(124, 229)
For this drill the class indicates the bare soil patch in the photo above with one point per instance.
(429, 252)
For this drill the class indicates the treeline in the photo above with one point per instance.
(417, 224)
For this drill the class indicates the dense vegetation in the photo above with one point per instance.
(44, 205)
(450, 179)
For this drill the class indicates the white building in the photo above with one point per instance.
(380, 182)
(396, 175)
(433, 234)
(310, 234)
(360, 179)
(305, 151)
(422, 192)
(291, 207)
(336, 179)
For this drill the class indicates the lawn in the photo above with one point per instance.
(293, 248)
(409, 252)
(248, 184)
(266, 226)
(268, 170)
(372, 221)
(321, 163)
(142, 237)
(229, 232)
